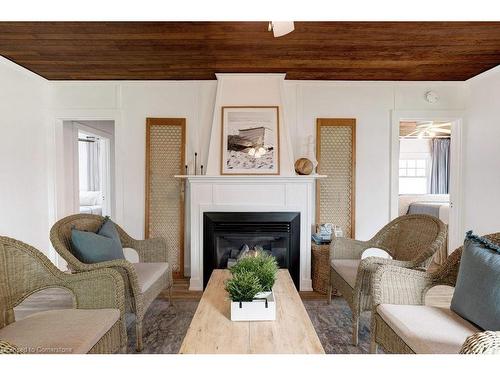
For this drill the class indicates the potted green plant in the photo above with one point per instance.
(250, 287)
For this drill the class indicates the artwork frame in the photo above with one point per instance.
(247, 149)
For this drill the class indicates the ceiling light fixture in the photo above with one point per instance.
(280, 28)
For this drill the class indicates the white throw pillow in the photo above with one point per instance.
(375, 252)
(131, 255)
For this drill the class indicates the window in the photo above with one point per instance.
(413, 175)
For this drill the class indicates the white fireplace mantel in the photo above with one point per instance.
(249, 194)
(250, 178)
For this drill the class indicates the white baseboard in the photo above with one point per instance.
(306, 285)
(195, 284)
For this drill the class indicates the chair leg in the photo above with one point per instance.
(329, 294)
(373, 347)
(373, 334)
(170, 300)
(138, 332)
(355, 329)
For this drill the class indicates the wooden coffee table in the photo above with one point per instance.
(212, 331)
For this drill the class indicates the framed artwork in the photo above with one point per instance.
(250, 140)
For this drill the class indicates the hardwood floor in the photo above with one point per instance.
(180, 291)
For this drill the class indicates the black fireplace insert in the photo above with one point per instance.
(229, 235)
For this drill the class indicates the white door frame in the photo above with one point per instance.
(456, 229)
(56, 166)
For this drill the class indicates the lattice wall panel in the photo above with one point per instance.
(164, 198)
(336, 153)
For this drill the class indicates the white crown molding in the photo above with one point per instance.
(333, 83)
(250, 75)
(143, 83)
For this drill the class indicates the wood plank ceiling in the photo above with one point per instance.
(406, 51)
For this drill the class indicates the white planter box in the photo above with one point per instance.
(258, 309)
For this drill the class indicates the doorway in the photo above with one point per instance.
(94, 173)
(426, 169)
(88, 150)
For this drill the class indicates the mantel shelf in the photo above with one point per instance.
(250, 177)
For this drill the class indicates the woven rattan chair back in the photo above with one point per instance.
(448, 272)
(60, 235)
(411, 237)
(23, 271)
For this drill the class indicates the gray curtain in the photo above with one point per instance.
(440, 165)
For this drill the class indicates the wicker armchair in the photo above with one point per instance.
(400, 286)
(139, 295)
(97, 298)
(8, 348)
(411, 240)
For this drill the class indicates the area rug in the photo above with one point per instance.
(165, 326)
(334, 328)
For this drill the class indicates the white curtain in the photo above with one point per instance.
(89, 154)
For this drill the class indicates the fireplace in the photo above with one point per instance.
(229, 235)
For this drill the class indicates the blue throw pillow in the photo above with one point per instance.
(102, 246)
(109, 230)
(477, 291)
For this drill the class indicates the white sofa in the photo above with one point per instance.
(91, 202)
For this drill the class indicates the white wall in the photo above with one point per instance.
(27, 97)
(371, 103)
(68, 202)
(29, 155)
(250, 90)
(482, 154)
(23, 156)
(414, 148)
(129, 104)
